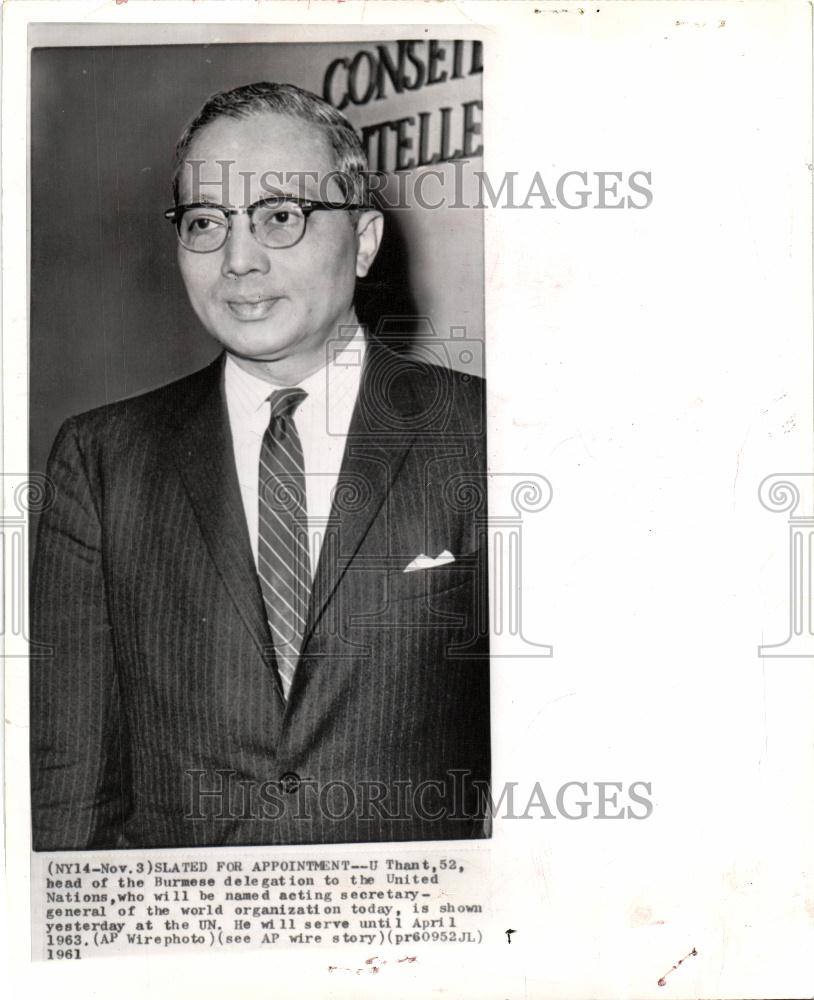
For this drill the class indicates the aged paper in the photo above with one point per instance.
(606, 211)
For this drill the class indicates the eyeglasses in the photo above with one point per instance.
(276, 223)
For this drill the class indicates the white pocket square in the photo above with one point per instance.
(427, 562)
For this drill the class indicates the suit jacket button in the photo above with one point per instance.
(289, 781)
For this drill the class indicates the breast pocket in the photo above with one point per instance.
(434, 580)
(438, 597)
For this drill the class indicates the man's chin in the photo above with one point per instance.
(258, 347)
(259, 357)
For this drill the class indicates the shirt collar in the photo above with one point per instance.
(338, 380)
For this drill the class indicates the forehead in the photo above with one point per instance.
(265, 150)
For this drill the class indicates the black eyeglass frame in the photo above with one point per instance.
(306, 205)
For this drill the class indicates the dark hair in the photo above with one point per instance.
(285, 99)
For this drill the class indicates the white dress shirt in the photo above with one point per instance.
(322, 420)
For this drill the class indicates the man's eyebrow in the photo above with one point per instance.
(205, 199)
(270, 193)
(201, 199)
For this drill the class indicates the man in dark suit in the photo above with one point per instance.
(264, 585)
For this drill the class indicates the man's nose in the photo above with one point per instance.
(241, 252)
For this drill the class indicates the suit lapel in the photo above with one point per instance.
(379, 439)
(205, 458)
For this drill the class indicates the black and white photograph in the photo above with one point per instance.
(407, 499)
(262, 585)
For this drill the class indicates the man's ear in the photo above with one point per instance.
(369, 228)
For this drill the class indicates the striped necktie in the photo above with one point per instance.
(282, 537)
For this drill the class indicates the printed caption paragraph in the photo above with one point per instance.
(83, 906)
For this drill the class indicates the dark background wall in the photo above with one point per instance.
(109, 316)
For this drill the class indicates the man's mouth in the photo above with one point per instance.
(251, 308)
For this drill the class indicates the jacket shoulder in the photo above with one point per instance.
(416, 383)
(458, 397)
(156, 409)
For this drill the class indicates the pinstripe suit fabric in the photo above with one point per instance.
(159, 720)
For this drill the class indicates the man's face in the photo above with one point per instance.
(267, 304)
